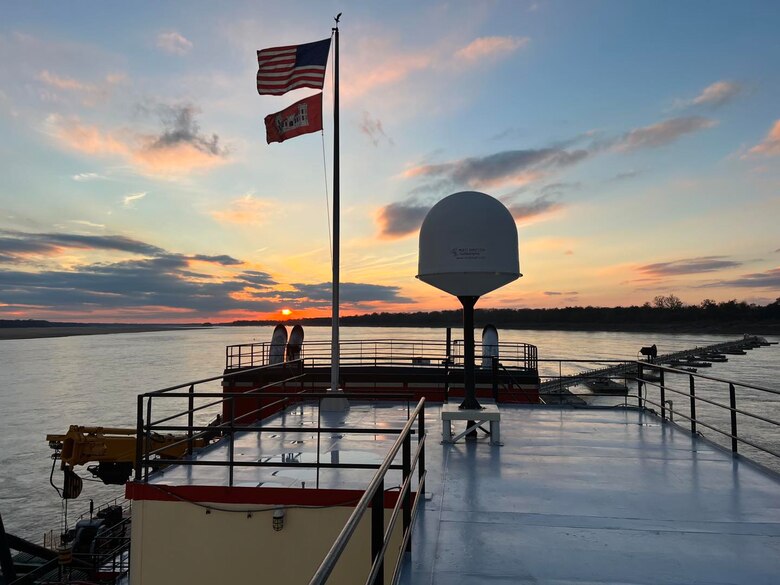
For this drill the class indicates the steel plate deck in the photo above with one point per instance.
(575, 496)
(594, 496)
(299, 445)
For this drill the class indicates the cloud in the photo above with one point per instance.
(532, 209)
(222, 259)
(771, 144)
(372, 127)
(129, 200)
(180, 127)
(378, 63)
(769, 279)
(87, 223)
(256, 278)
(152, 282)
(557, 189)
(554, 293)
(625, 176)
(17, 247)
(157, 283)
(717, 94)
(173, 43)
(490, 47)
(90, 93)
(402, 218)
(178, 148)
(246, 210)
(510, 133)
(87, 139)
(83, 177)
(662, 133)
(517, 167)
(350, 292)
(688, 266)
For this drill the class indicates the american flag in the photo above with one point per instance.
(282, 69)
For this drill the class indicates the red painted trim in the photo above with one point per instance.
(249, 495)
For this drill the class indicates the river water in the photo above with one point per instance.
(49, 384)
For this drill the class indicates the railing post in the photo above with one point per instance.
(190, 418)
(663, 393)
(692, 386)
(421, 459)
(148, 437)
(231, 445)
(407, 503)
(378, 530)
(640, 374)
(560, 379)
(139, 437)
(733, 404)
(446, 379)
(494, 363)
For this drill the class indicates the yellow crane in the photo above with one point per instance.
(114, 451)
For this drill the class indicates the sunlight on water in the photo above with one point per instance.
(49, 384)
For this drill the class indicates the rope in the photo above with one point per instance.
(327, 195)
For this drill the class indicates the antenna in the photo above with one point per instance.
(468, 247)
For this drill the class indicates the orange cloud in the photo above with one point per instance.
(86, 139)
(91, 93)
(490, 47)
(246, 210)
(771, 144)
(363, 77)
(175, 159)
(376, 63)
(147, 153)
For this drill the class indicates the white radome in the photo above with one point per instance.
(468, 245)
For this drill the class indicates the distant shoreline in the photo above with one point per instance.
(772, 329)
(11, 333)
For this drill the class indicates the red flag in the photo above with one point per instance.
(302, 117)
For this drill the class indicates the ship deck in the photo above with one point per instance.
(595, 496)
(585, 496)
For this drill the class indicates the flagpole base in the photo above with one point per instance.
(334, 403)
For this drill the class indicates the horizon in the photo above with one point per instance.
(286, 319)
(636, 145)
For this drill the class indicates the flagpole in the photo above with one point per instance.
(334, 349)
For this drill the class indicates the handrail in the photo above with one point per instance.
(661, 384)
(713, 378)
(221, 377)
(371, 351)
(327, 565)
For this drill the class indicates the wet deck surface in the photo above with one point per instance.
(594, 496)
(300, 445)
(574, 496)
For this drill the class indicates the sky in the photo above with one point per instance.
(635, 143)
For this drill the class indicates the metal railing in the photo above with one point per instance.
(148, 459)
(266, 399)
(374, 497)
(105, 558)
(382, 352)
(653, 376)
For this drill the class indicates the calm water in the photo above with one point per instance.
(49, 384)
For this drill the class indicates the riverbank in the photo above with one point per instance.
(9, 333)
(738, 328)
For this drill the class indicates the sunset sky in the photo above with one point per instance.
(637, 145)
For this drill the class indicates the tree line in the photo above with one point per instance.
(663, 312)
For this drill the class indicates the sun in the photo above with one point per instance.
(286, 312)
